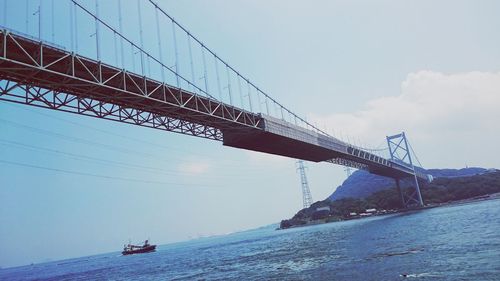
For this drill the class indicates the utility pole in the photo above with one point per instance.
(306, 193)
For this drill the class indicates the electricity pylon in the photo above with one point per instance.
(306, 193)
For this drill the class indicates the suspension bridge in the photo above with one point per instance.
(79, 57)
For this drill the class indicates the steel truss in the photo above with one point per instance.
(306, 192)
(348, 163)
(40, 67)
(40, 97)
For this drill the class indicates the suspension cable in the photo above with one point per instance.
(414, 154)
(133, 45)
(237, 73)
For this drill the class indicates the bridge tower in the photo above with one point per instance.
(306, 193)
(400, 152)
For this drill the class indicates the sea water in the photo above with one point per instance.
(460, 242)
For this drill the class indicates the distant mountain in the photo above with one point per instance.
(451, 173)
(362, 184)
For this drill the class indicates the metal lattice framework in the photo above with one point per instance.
(39, 97)
(349, 163)
(37, 64)
(306, 192)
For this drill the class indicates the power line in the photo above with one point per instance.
(98, 175)
(79, 125)
(72, 139)
(112, 162)
(142, 141)
(113, 147)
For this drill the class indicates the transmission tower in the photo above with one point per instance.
(348, 171)
(306, 193)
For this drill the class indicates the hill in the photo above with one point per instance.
(362, 184)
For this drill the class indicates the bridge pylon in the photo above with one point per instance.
(400, 152)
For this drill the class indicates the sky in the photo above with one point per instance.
(360, 69)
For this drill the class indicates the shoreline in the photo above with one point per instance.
(486, 197)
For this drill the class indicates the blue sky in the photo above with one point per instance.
(360, 68)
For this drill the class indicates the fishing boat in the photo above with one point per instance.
(130, 249)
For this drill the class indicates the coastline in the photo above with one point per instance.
(487, 197)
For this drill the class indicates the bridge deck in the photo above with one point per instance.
(30, 62)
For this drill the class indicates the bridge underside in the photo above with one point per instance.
(271, 143)
(267, 142)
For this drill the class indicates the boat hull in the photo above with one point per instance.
(147, 249)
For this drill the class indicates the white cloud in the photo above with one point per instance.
(445, 115)
(195, 167)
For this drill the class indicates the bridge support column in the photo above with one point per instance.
(398, 185)
(417, 191)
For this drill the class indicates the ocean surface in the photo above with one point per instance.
(459, 242)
